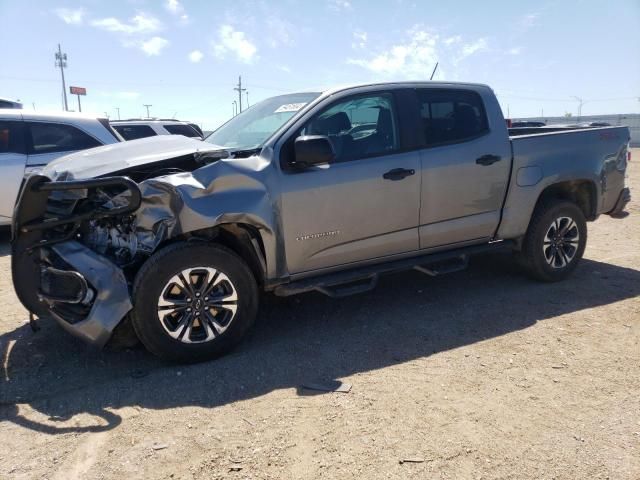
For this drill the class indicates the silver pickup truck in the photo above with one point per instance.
(173, 238)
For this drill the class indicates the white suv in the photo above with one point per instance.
(30, 140)
(140, 128)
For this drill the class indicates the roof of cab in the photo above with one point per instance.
(31, 115)
(408, 83)
(160, 121)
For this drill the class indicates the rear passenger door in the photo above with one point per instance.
(464, 168)
(12, 163)
(48, 141)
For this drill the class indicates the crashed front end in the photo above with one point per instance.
(55, 272)
(83, 228)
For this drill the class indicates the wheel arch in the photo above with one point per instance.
(581, 192)
(241, 238)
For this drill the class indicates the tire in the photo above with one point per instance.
(217, 324)
(550, 250)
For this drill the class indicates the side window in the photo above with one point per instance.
(57, 137)
(450, 116)
(177, 129)
(11, 137)
(133, 132)
(359, 127)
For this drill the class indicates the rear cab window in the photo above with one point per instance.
(57, 137)
(451, 116)
(11, 137)
(133, 132)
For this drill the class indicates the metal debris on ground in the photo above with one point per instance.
(333, 386)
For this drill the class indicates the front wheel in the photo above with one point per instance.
(193, 302)
(555, 240)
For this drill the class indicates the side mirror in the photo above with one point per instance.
(313, 150)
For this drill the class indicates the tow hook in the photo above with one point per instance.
(33, 323)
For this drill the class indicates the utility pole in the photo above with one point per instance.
(580, 103)
(146, 105)
(247, 92)
(235, 108)
(118, 110)
(61, 61)
(239, 89)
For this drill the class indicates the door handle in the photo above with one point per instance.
(487, 159)
(398, 173)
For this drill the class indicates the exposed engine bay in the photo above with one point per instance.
(115, 239)
(115, 236)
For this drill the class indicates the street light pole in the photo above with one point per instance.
(118, 110)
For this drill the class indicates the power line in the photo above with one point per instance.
(147, 84)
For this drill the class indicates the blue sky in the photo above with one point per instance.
(184, 56)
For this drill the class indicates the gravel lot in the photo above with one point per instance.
(478, 374)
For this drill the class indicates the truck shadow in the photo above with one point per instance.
(48, 377)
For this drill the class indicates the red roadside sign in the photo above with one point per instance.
(78, 90)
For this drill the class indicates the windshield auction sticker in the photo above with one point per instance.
(290, 107)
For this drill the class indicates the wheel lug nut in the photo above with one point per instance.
(188, 299)
(189, 309)
(206, 299)
(197, 294)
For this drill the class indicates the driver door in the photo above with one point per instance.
(353, 209)
(12, 164)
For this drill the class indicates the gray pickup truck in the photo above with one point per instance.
(174, 238)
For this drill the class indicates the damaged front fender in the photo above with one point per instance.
(224, 192)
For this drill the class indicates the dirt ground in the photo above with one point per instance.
(477, 374)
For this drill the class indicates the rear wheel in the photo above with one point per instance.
(555, 240)
(193, 302)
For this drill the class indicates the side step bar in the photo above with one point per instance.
(363, 279)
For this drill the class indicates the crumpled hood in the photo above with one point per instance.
(100, 161)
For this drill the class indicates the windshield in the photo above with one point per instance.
(255, 125)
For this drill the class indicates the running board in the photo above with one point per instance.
(363, 279)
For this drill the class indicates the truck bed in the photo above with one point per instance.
(596, 155)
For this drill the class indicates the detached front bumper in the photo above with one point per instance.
(108, 303)
(55, 275)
